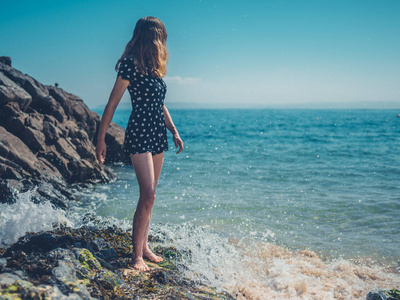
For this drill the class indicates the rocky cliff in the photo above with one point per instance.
(47, 140)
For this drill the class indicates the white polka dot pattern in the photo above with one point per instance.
(146, 130)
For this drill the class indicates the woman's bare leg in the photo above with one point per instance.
(158, 160)
(144, 169)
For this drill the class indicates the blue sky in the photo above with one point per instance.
(222, 53)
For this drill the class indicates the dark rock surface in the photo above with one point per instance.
(5, 60)
(47, 140)
(90, 263)
(384, 295)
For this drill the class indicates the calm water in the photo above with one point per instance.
(318, 179)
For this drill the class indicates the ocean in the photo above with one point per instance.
(266, 203)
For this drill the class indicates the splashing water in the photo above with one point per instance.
(25, 216)
(254, 270)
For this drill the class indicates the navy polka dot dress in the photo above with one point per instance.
(146, 130)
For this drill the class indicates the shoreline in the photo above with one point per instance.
(89, 263)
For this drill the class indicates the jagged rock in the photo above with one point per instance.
(14, 150)
(11, 92)
(48, 106)
(48, 135)
(33, 87)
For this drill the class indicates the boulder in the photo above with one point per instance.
(48, 106)
(114, 138)
(5, 60)
(14, 150)
(11, 92)
(30, 85)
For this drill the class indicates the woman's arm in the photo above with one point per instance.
(171, 127)
(115, 96)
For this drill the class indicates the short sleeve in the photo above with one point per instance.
(124, 69)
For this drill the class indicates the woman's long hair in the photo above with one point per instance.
(148, 47)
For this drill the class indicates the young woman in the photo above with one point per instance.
(140, 69)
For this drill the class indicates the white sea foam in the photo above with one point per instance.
(25, 216)
(79, 217)
(260, 270)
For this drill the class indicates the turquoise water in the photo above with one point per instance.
(325, 180)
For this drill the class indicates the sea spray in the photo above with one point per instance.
(79, 217)
(250, 269)
(206, 256)
(26, 216)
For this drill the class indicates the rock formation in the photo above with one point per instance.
(47, 140)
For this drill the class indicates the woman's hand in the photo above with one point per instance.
(101, 150)
(178, 142)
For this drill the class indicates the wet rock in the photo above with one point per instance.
(9, 189)
(14, 287)
(41, 242)
(65, 273)
(384, 295)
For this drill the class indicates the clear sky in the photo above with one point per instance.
(223, 53)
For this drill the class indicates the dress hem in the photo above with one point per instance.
(152, 153)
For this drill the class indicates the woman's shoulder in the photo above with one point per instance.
(127, 60)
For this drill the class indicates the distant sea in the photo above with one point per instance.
(293, 204)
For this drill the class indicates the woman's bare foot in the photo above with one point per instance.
(139, 264)
(151, 256)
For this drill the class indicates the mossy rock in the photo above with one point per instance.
(11, 292)
(384, 295)
(88, 261)
(108, 279)
(167, 252)
(166, 264)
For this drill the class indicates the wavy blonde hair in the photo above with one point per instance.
(148, 47)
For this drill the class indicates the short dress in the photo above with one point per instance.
(146, 130)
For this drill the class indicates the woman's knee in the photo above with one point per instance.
(148, 195)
